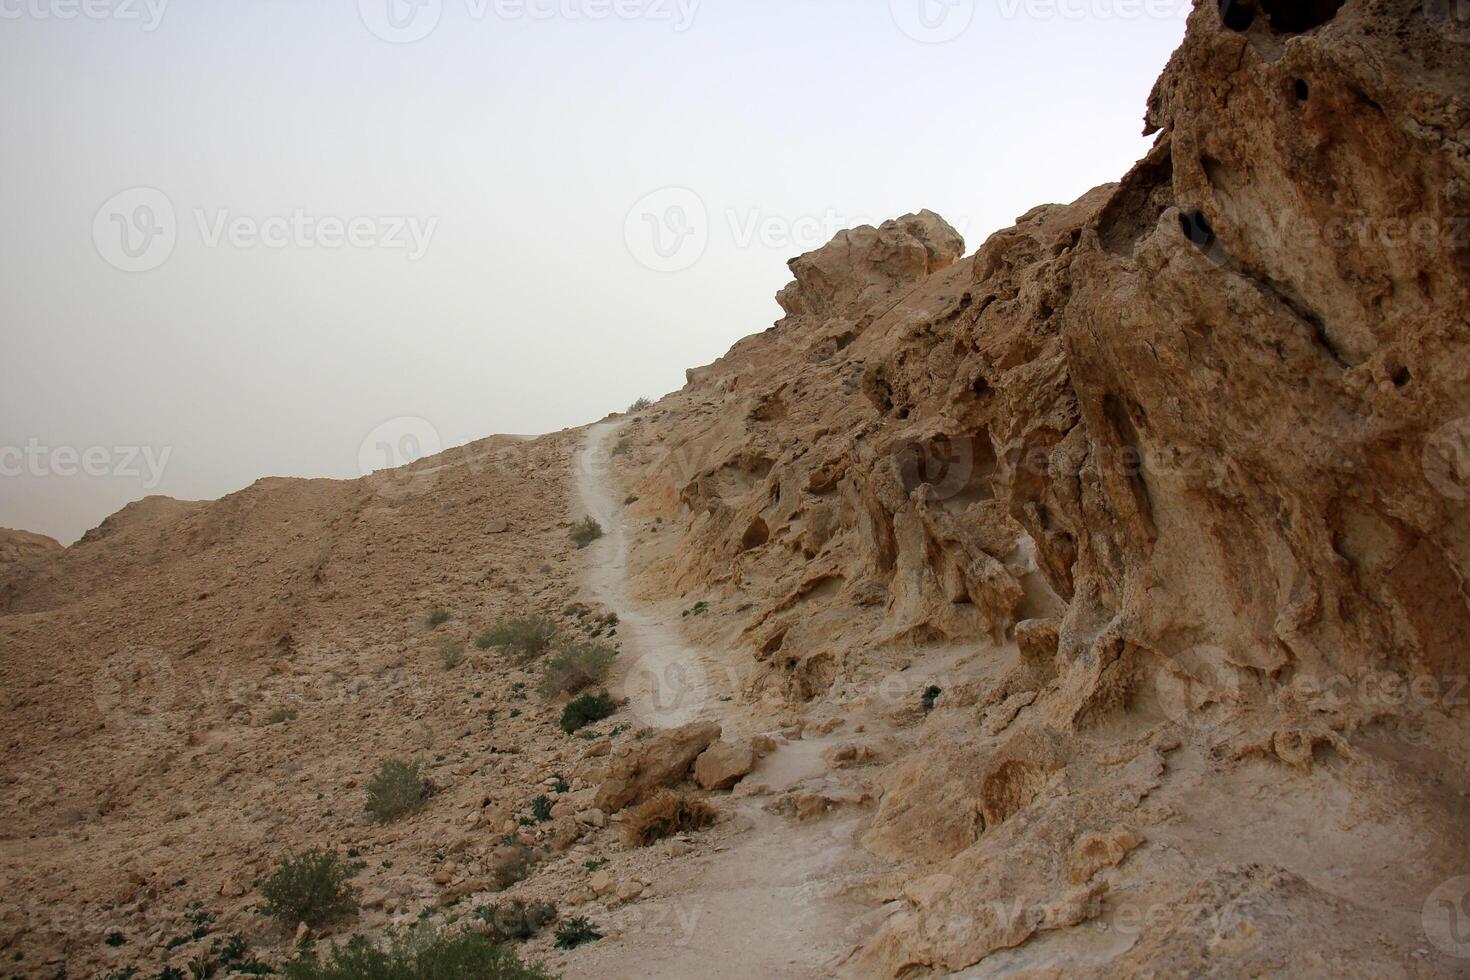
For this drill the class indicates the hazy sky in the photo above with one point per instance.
(269, 237)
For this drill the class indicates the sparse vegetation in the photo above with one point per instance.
(282, 715)
(639, 405)
(574, 932)
(398, 788)
(515, 921)
(576, 667)
(541, 808)
(586, 531)
(310, 887)
(438, 617)
(667, 813)
(420, 954)
(229, 959)
(931, 694)
(451, 653)
(529, 637)
(586, 710)
(698, 609)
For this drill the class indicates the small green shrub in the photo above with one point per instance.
(586, 531)
(310, 887)
(282, 715)
(541, 808)
(229, 959)
(529, 637)
(639, 405)
(515, 921)
(438, 617)
(574, 932)
(398, 788)
(587, 710)
(931, 694)
(576, 667)
(421, 954)
(451, 653)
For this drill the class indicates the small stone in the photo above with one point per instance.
(630, 890)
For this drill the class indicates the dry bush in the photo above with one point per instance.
(576, 667)
(511, 864)
(665, 814)
(528, 638)
(397, 788)
(451, 653)
(585, 531)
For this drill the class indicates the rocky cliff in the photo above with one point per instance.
(1180, 471)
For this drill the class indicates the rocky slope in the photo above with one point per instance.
(1094, 604)
(18, 546)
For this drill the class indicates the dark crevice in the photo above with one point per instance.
(1237, 15)
(1297, 16)
(1300, 90)
(1197, 229)
(1310, 317)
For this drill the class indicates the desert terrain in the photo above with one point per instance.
(1093, 603)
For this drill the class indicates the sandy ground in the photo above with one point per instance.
(770, 901)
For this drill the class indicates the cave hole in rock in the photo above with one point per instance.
(1296, 16)
(1238, 15)
(1402, 377)
(757, 534)
(1300, 90)
(1197, 228)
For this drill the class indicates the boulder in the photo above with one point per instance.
(662, 759)
(723, 764)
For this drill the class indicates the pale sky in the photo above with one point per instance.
(249, 238)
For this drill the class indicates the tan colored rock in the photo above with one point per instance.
(662, 759)
(1096, 850)
(723, 764)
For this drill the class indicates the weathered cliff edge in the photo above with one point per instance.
(1177, 474)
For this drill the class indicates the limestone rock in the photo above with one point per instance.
(723, 764)
(662, 759)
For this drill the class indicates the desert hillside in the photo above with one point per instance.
(1091, 604)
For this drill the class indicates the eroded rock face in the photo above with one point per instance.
(1185, 463)
(864, 264)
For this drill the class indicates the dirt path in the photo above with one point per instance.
(762, 896)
